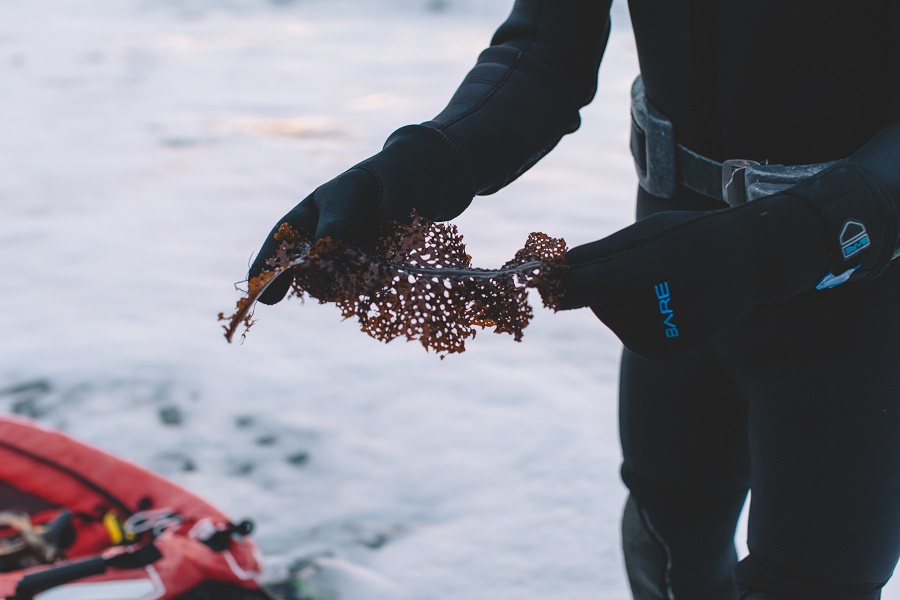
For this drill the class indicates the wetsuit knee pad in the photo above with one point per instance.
(764, 581)
(675, 554)
(647, 558)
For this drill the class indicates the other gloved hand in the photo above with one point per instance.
(674, 281)
(418, 169)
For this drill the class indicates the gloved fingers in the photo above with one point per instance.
(602, 271)
(658, 343)
(347, 206)
(589, 285)
(676, 280)
(667, 284)
(632, 237)
(302, 217)
(341, 209)
(277, 289)
(627, 295)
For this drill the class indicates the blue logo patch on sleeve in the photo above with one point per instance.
(853, 238)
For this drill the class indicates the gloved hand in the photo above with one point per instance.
(418, 169)
(674, 281)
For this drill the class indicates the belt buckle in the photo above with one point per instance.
(734, 189)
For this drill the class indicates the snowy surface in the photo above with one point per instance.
(149, 145)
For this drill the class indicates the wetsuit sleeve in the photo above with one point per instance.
(524, 93)
(858, 201)
(880, 160)
(880, 157)
(857, 204)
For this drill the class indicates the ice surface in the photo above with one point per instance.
(149, 145)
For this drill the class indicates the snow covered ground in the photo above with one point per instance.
(149, 145)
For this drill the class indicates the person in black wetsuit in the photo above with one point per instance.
(762, 338)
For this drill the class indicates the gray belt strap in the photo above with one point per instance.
(663, 165)
(698, 173)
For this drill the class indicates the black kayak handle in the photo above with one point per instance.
(33, 583)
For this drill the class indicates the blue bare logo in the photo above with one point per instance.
(663, 296)
(854, 238)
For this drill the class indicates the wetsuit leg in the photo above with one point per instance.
(821, 373)
(684, 443)
(686, 463)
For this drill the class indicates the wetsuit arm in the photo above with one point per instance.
(859, 201)
(521, 97)
(880, 159)
(524, 93)
(857, 206)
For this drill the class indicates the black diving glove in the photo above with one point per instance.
(674, 281)
(419, 169)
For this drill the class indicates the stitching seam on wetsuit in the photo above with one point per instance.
(667, 573)
(506, 77)
(500, 84)
(377, 179)
(458, 148)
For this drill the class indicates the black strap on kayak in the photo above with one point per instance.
(40, 581)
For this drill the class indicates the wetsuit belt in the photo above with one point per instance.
(663, 164)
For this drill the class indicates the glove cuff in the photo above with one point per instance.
(858, 219)
(421, 169)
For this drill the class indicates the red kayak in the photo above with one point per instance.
(77, 523)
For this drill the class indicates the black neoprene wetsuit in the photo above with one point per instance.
(800, 400)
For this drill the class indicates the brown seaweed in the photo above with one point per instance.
(417, 282)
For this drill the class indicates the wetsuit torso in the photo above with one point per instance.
(793, 82)
(807, 390)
